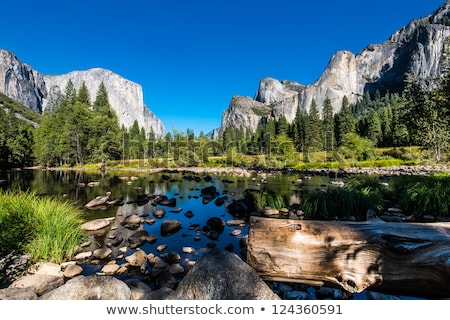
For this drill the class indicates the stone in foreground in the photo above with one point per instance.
(90, 288)
(222, 275)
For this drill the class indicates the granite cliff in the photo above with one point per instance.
(22, 83)
(417, 48)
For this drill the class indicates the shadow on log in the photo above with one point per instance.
(401, 258)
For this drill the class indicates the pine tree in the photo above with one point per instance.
(70, 94)
(106, 138)
(373, 127)
(83, 95)
(386, 125)
(228, 140)
(328, 125)
(428, 117)
(136, 146)
(314, 133)
(400, 132)
(101, 103)
(282, 125)
(345, 120)
(4, 151)
(300, 129)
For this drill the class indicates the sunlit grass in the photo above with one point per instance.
(45, 228)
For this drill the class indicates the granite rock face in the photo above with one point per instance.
(125, 96)
(20, 82)
(38, 92)
(417, 49)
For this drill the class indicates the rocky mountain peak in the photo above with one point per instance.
(441, 15)
(417, 48)
(125, 96)
(272, 91)
(22, 83)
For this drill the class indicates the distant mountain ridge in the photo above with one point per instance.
(22, 83)
(416, 48)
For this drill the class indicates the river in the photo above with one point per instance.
(81, 186)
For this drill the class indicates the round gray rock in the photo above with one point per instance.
(73, 271)
(93, 287)
(17, 294)
(169, 227)
(222, 275)
(95, 224)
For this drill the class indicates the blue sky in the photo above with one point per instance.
(192, 56)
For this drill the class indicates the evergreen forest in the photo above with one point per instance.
(411, 126)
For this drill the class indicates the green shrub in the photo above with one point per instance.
(355, 147)
(47, 229)
(403, 153)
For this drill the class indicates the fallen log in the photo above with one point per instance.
(402, 258)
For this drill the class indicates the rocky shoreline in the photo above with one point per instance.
(123, 270)
(114, 257)
(248, 171)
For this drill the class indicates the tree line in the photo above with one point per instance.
(78, 131)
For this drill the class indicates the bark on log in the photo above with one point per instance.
(403, 258)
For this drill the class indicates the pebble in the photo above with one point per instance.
(110, 269)
(236, 232)
(188, 249)
(83, 256)
(161, 247)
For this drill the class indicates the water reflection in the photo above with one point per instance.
(79, 187)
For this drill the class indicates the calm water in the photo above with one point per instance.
(128, 185)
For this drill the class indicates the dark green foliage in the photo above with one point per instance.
(16, 139)
(370, 183)
(315, 135)
(428, 118)
(257, 200)
(345, 123)
(83, 95)
(427, 195)
(328, 126)
(73, 133)
(360, 194)
(339, 203)
(14, 229)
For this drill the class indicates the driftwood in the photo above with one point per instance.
(402, 258)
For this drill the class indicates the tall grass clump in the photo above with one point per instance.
(360, 194)
(45, 228)
(257, 200)
(425, 195)
(339, 203)
(370, 183)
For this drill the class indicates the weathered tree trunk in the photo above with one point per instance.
(408, 259)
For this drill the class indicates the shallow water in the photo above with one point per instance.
(128, 185)
(72, 185)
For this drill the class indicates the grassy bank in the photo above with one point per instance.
(47, 229)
